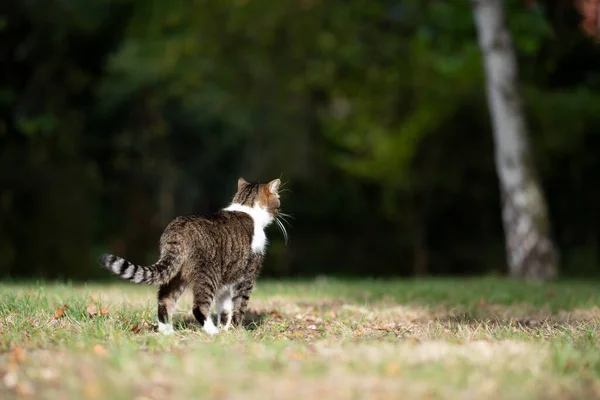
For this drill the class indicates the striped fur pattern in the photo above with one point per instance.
(218, 257)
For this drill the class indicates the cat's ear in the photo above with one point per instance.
(274, 186)
(241, 183)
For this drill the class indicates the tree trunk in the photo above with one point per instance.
(530, 250)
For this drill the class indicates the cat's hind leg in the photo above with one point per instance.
(241, 295)
(225, 307)
(168, 294)
(204, 294)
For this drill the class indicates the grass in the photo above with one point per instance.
(332, 339)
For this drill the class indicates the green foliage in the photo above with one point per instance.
(118, 115)
(399, 103)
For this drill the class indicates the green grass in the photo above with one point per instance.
(335, 339)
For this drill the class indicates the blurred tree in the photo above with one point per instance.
(530, 249)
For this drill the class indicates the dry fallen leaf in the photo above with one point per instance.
(24, 389)
(219, 392)
(17, 355)
(92, 310)
(60, 311)
(99, 350)
(141, 326)
(392, 369)
(92, 390)
(294, 355)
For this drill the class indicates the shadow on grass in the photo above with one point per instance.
(252, 320)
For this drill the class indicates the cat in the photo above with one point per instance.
(218, 257)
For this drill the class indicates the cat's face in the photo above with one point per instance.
(263, 195)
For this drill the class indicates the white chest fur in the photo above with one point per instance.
(261, 219)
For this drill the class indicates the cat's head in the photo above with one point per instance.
(262, 195)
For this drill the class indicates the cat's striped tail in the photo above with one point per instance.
(156, 274)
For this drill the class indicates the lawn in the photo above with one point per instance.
(323, 338)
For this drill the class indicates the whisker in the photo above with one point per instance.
(281, 225)
(286, 222)
(282, 228)
(282, 219)
(285, 232)
(282, 214)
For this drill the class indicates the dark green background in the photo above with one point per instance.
(116, 115)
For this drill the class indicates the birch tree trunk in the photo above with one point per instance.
(530, 250)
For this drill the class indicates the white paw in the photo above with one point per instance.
(165, 329)
(210, 329)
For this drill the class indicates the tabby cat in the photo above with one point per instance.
(218, 257)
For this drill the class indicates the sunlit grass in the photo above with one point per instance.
(375, 339)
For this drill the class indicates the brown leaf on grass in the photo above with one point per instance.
(94, 312)
(392, 369)
(294, 355)
(219, 392)
(99, 350)
(92, 391)
(296, 334)
(141, 326)
(60, 311)
(24, 390)
(16, 356)
(549, 294)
